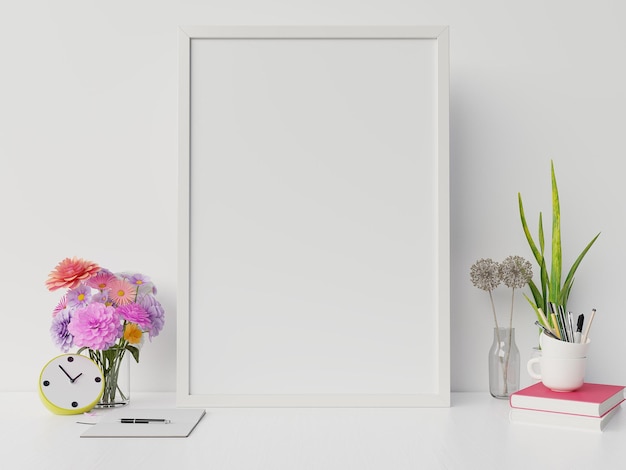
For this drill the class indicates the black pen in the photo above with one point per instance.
(579, 328)
(546, 331)
(144, 420)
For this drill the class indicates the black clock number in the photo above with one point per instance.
(74, 404)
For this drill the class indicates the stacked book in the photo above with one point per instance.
(590, 407)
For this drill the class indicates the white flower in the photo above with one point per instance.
(515, 272)
(485, 274)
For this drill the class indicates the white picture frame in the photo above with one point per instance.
(313, 217)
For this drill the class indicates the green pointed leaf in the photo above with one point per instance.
(555, 275)
(535, 293)
(529, 238)
(542, 242)
(134, 351)
(545, 284)
(565, 290)
(534, 306)
(570, 275)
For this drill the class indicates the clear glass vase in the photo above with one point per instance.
(115, 366)
(504, 363)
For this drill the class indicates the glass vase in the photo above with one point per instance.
(115, 366)
(504, 364)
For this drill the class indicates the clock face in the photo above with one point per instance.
(71, 384)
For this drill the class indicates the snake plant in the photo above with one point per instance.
(550, 289)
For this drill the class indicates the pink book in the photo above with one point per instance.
(589, 400)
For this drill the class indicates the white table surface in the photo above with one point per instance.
(474, 433)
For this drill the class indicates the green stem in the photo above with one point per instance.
(110, 362)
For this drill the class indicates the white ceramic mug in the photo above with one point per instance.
(561, 374)
(551, 347)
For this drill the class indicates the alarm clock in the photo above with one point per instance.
(70, 384)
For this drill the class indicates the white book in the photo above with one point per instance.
(128, 422)
(562, 420)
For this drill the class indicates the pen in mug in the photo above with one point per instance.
(563, 329)
(586, 333)
(555, 323)
(554, 313)
(579, 328)
(546, 331)
(569, 334)
(570, 326)
(545, 321)
(564, 323)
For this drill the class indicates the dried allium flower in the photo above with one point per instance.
(515, 272)
(485, 274)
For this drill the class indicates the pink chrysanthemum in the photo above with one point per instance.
(95, 327)
(70, 272)
(135, 313)
(102, 280)
(122, 292)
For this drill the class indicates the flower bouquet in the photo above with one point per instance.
(106, 314)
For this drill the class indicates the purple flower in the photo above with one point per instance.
(101, 297)
(96, 326)
(135, 313)
(138, 279)
(79, 297)
(143, 283)
(155, 312)
(59, 330)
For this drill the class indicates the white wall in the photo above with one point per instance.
(88, 152)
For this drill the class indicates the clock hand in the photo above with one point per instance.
(74, 379)
(68, 375)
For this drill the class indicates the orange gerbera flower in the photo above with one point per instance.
(132, 333)
(70, 272)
